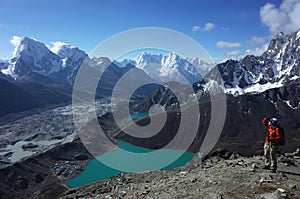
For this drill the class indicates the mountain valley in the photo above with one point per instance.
(40, 149)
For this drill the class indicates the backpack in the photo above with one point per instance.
(282, 141)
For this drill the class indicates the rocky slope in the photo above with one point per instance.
(278, 65)
(242, 130)
(222, 175)
(43, 175)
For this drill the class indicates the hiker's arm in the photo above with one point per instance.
(265, 121)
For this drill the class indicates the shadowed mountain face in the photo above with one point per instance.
(39, 90)
(45, 77)
(256, 86)
(18, 97)
(14, 98)
(33, 178)
(242, 131)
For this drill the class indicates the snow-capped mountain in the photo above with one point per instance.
(279, 64)
(60, 62)
(69, 54)
(71, 57)
(252, 74)
(275, 75)
(166, 68)
(32, 56)
(203, 66)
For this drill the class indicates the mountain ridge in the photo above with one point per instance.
(277, 66)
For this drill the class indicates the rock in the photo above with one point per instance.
(29, 146)
(183, 173)
(254, 166)
(9, 154)
(23, 183)
(297, 152)
(266, 178)
(292, 184)
(194, 180)
(281, 193)
(123, 193)
(269, 196)
(281, 190)
(216, 196)
(221, 153)
(287, 161)
(81, 157)
(108, 197)
(234, 155)
(39, 178)
(195, 162)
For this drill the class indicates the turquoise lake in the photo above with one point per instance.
(138, 115)
(132, 158)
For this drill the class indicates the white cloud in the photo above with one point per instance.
(283, 19)
(223, 44)
(256, 40)
(209, 27)
(56, 46)
(15, 40)
(234, 53)
(256, 51)
(196, 28)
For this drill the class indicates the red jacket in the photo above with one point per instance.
(273, 132)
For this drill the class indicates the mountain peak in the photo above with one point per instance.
(34, 57)
(31, 56)
(167, 67)
(273, 69)
(67, 51)
(26, 44)
(171, 58)
(148, 58)
(279, 35)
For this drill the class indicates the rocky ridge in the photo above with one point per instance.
(221, 175)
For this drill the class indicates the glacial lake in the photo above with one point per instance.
(96, 170)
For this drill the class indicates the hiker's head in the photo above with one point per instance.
(273, 121)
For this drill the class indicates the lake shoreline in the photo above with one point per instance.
(95, 164)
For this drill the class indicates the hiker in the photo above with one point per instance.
(270, 148)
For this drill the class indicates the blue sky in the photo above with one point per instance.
(226, 29)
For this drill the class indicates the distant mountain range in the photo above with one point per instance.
(170, 67)
(277, 68)
(278, 65)
(47, 75)
(255, 87)
(49, 71)
(62, 63)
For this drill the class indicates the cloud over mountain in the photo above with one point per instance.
(224, 44)
(285, 18)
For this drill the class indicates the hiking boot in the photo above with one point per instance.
(266, 167)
